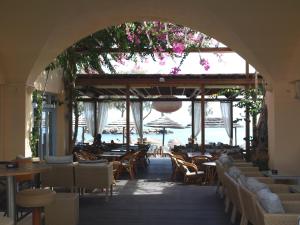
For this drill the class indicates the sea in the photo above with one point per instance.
(212, 135)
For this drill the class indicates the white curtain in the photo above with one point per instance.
(102, 116)
(137, 108)
(227, 118)
(197, 118)
(89, 116)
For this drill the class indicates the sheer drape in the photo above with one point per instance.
(197, 118)
(89, 116)
(137, 108)
(102, 116)
(227, 118)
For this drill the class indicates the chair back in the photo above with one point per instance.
(94, 175)
(233, 191)
(60, 175)
(248, 202)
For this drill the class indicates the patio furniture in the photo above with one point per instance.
(128, 164)
(5, 220)
(35, 199)
(10, 175)
(64, 210)
(290, 217)
(210, 172)
(117, 165)
(190, 172)
(59, 176)
(94, 175)
(233, 196)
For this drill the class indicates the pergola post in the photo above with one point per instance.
(141, 121)
(95, 119)
(202, 120)
(231, 123)
(193, 121)
(127, 118)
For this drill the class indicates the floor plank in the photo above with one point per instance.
(154, 199)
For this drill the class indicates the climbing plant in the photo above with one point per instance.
(37, 100)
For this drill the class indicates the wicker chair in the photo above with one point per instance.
(190, 172)
(128, 164)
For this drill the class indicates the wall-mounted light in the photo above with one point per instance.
(162, 79)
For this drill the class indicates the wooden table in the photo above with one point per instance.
(112, 155)
(210, 171)
(195, 154)
(10, 175)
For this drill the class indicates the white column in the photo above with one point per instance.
(283, 128)
(15, 120)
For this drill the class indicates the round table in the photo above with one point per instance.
(10, 175)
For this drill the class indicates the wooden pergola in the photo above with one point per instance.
(148, 87)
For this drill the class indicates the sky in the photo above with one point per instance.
(227, 63)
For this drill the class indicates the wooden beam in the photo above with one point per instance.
(155, 99)
(138, 50)
(134, 81)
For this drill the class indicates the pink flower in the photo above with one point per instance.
(137, 40)
(205, 64)
(130, 37)
(175, 70)
(162, 62)
(178, 48)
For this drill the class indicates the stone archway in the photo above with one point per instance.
(96, 16)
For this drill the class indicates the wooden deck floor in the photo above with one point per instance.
(153, 199)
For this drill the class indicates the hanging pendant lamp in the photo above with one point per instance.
(167, 106)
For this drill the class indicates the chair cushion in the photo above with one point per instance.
(226, 160)
(242, 180)
(93, 164)
(59, 159)
(254, 185)
(234, 172)
(92, 161)
(270, 201)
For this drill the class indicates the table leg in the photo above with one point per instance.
(11, 198)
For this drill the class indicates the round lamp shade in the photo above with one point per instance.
(167, 106)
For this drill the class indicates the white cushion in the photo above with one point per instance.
(242, 180)
(270, 201)
(59, 159)
(226, 160)
(254, 185)
(234, 172)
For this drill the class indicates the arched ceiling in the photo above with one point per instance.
(34, 32)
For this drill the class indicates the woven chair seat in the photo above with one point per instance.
(32, 198)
